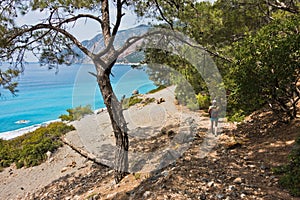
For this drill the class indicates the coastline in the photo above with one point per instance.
(8, 135)
(42, 103)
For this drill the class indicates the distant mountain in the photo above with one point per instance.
(97, 43)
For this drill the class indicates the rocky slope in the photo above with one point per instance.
(238, 167)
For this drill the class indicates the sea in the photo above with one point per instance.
(45, 94)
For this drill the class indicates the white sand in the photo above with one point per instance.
(16, 133)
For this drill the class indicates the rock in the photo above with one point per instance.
(73, 164)
(48, 154)
(146, 194)
(184, 136)
(64, 169)
(210, 184)
(220, 196)
(243, 196)
(135, 92)
(231, 188)
(202, 197)
(176, 102)
(160, 100)
(165, 173)
(51, 160)
(237, 180)
(263, 167)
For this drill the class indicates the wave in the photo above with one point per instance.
(22, 121)
(15, 133)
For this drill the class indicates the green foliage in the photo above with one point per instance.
(173, 69)
(160, 87)
(266, 55)
(77, 113)
(30, 149)
(137, 176)
(127, 102)
(266, 70)
(203, 101)
(290, 178)
(238, 116)
(147, 100)
(7, 78)
(135, 99)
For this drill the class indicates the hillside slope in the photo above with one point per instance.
(238, 167)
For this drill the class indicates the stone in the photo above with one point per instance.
(64, 169)
(210, 184)
(146, 194)
(237, 180)
(48, 154)
(135, 92)
(231, 188)
(160, 100)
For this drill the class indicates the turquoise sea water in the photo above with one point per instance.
(44, 94)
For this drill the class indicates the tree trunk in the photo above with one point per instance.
(118, 122)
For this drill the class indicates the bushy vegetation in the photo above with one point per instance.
(203, 101)
(259, 58)
(135, 99)
(30, 149)
(127, 102)
(266, 69)
(77, 113)
(291, 172)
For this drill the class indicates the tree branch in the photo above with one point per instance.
(55, 28)
(119, 17)
(282, 6)
(72, 19)
(135, 39)
(162, 15)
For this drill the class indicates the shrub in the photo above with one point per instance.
(203, 101)
(238, 116)
(77, 113)
(127, 102)
(30, 149)
(134, 100)
(148, 100)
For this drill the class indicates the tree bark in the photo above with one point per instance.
(118, 122)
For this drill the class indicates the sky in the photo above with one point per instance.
(85, 29)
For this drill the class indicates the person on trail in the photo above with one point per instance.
(213, 115)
